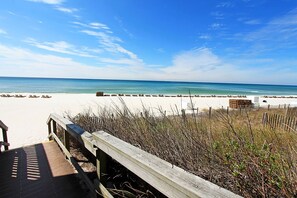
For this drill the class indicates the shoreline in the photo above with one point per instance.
(40, 94)
(26, 117)
(110, 86)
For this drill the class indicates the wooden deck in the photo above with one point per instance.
(39, 170)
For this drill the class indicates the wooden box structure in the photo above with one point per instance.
(239, 103)
(99, 93)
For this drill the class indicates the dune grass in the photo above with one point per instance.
(232, 150)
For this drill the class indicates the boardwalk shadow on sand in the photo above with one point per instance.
(39, 170)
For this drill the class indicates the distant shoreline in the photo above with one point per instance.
(59, 85)
(139, 80)
(47, 95)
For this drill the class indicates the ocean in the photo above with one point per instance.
(63, 85)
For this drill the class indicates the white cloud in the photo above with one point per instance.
(12, 13)
(2, 31)
(93, 25)
(279, 33)
(22, 62)
(121, 24)
(226, 4)
(52, 2)
(96, 25)
(216, 26)
(160, 50)
(111, 44)
(217, 15)
(194, 65)
(201, 60)
(280, 29)
(253, 22)
(121, 62)
(205, 37)
(108, 42)
(66, 10)
(57, 5)
(63, 47)
(203, 65)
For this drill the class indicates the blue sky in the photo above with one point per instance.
(244, 41)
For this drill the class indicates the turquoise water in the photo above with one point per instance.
(53, 85)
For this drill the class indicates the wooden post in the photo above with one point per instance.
(264, 119)
(4, 132)
(54, 127)
(278, 121)
(268, 107)
(275, 120)
(287, 110)
(283, 122)
(291, 124)
(209, 113)
(49, 125)
(183, 111)
(66, 139)
(101, 164)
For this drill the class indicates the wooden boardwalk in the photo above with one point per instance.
(39, 170)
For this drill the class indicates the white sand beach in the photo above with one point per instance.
(26, 117)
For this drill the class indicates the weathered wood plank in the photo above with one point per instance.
(170, 180)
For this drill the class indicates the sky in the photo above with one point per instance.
(239, 41)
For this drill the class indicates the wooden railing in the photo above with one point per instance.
(4, 134)
(163, 176)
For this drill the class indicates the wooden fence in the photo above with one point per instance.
(163, 176)
(280, 121)
(4, 134)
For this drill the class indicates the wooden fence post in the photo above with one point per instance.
(66, 139)
(268, 107)
(264, 119)
(278, 120)
(209, 113)
(183, 111)
(101, 165)
(286, 113)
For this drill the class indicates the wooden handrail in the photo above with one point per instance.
(3, 126)
(170, 180)
(4, 134)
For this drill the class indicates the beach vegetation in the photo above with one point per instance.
(232, 149)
